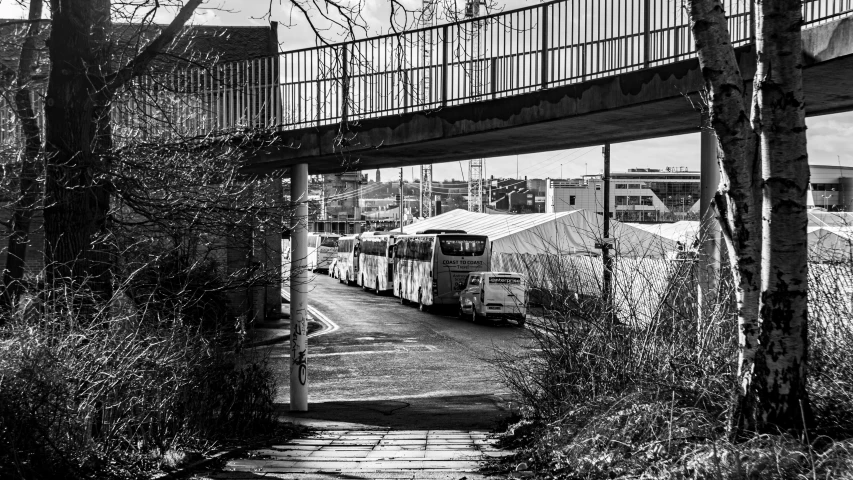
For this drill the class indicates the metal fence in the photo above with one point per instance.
(552, 44)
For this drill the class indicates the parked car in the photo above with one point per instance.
(494, 296)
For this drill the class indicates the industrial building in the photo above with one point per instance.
(638, 195)
(830, 188)
(648, 195)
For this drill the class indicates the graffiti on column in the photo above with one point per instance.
(298, 357)
(300, 361)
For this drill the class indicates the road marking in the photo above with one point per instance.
(330, 325)
(327, 322)
(429, 348)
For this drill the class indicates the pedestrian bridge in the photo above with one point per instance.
(562, 74)
(557, 75)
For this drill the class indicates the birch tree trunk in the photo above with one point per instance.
(779, 378)
(761, 204)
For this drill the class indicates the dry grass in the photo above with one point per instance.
(118, 396)
(641, 387)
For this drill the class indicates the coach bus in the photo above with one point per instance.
(322, 248)
(432, 268)
(376, 265)
(347, 264)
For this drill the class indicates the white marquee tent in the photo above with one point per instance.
(830, 234)
(573, 233)
(557, 252)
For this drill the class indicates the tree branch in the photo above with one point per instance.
(137, 65)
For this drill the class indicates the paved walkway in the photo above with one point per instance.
(368, 454)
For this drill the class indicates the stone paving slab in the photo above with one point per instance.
(368, 454)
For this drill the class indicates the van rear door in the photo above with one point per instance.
(507, 291)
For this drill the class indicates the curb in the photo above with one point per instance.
(191, 468)
(283, 338)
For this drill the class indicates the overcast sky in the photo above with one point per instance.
(829, 137)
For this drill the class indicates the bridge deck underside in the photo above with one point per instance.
(650, 103)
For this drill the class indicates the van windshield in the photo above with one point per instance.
(462, 246)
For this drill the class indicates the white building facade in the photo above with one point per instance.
(638, 195)
(672, 194)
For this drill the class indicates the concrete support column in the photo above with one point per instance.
(709, 231)
(299, 289)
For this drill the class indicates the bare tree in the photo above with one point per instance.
(81, 86)
(25, 203)
(762, 205)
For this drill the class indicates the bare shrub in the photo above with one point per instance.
(648, 335)
(640, 385)
(110, 396)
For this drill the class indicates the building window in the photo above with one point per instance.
(621, 200)
(621, 186)
(634, 200)
(647, 201)
(635, 185)
(571, 199)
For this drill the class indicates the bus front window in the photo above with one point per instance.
(329, 242)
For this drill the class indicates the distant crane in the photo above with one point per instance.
(425, 203)
(475, 166)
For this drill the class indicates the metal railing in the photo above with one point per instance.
(547, 45)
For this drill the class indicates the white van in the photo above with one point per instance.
(494, 295)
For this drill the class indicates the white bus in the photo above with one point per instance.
(322, 249)
(347, 264)
(376, 265)
(432, 268)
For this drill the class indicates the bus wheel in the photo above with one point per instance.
(521, 322)
(474, 317)
(402, 300)
(376, 291)
(363, 285)
(421, 305)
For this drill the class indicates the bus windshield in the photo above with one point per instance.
(462, 246)
(329, 242)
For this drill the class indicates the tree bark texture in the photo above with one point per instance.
(738, 200)
(75, 201)
(761, 202)
(77, 135)
(27, 200)
(780, 369)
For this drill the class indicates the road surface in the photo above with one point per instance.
(391, 365)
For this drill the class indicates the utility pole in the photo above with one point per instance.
(606, 242)
(400, 206)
